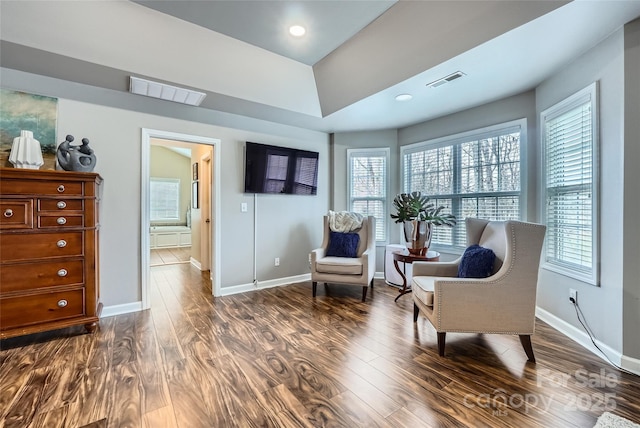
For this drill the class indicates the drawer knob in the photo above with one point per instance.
(61, 220)
(62, 272)
(8, 213)
(61, 204)
(62, 303)
(61, 243)
(61, 188)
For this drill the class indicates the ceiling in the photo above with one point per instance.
(266, 23)
(343, 75)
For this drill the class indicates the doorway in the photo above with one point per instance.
(203, 203)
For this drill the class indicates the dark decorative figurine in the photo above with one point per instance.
(76, 157)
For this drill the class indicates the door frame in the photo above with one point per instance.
(145, 222)
(206, 212)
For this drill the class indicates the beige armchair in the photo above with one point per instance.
(503, 303)
(346, 270)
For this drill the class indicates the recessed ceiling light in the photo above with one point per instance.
(297, 30)
(404, 97)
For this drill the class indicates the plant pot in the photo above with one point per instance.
(417, 236)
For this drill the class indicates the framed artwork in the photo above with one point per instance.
(194, 195)
(195, 171)
(36, 113)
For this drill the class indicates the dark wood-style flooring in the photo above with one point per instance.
(279, 358)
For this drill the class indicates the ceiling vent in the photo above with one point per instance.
(446, 79)
(165, 92)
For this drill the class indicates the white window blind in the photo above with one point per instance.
(165, 199)
(368, 185)
(475, 174)
(569, 141)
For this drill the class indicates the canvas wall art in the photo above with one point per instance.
(36, 113)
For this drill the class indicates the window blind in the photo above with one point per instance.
(368, 183)
(476, 174)
(570, 191)
(164, 199)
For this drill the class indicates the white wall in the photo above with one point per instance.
(602, 306)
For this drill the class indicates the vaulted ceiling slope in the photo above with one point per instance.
(358, 55)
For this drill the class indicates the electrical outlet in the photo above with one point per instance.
(309, 258)
(243, 207)
(277, 261)
(573, 294)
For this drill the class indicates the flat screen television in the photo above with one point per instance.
(283, 170)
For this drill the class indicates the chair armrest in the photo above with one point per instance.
(446, 269)
(317, 254)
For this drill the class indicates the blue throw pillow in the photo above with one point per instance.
(343, 244)
(477, 262)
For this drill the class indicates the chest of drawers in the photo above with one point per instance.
(49, 250)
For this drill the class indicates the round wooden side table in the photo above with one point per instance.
(405, 257)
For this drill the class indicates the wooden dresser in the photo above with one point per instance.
(48, 250)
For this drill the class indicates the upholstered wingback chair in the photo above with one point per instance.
(503, 303)
(356, 271)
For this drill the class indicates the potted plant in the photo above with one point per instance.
(419, 214)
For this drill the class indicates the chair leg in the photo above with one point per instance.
(315, 287)
(364, 293)
(441, 337)
(371, 283)
(525, 339)
(416, 311)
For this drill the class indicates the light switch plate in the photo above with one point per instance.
(243, 207)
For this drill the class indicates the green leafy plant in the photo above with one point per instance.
(415, 206)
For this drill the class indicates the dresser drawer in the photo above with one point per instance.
(29, 246)
(40, 187)
(16, 214)
(38, 308)
(30, 276)
(60, 221)
(60, 205)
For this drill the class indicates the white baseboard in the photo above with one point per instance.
(241, 288)
(631, 364)
(195, 263)
(110, 311)
(582, 338)
(378, 275)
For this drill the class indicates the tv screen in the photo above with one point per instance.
(273, 169)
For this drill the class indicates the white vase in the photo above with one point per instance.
(26, 152)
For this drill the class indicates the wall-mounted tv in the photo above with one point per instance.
(273, 169)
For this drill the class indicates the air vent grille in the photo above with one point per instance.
(163, 91)
(446, 79)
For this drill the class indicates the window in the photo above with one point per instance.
(165, 199)
(475, 174)
(368, 183)
(569, 139)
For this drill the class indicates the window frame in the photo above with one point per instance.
(457, 140)
(166, 180)
(587, 94)
(384, 152)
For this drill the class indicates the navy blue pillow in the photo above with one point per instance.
(343, 244)
(477, 262)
